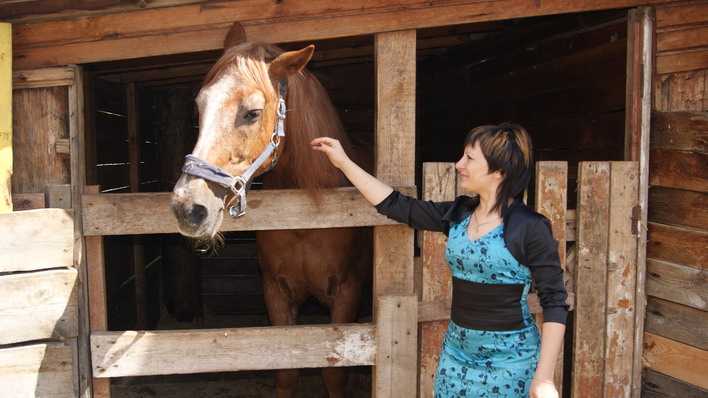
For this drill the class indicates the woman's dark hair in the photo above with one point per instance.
(507, 148)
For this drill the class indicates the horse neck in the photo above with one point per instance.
(310, 115)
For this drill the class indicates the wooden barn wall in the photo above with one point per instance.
(676, 339)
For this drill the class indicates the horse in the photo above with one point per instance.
(240, 111)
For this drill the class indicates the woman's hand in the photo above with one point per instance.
(332, 148)
(543, 389)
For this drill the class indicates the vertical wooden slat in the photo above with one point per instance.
(647, 16)
(591, 279)
(395, 149)
(78, 179)
(396, 342)
(551, 201)
(5, 117)
(633, 92)
(134, 180)
(621, 279)
(438, 185)
(98, 312)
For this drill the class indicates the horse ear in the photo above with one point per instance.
(236, 35)
(291, 62)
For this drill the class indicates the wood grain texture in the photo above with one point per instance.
(679, 245)
(396, 346)
(38, 305)
(192, 28)
(678, 283)
(38, 370)
(27, 201)
(149, 213)
(678, 207)
(671, 358)
(36, 239)
(657, 385)
(591, 279)
(677, 322)
(438, 185)
(679, 169)
(621, 279)
(680, 131)
(43, 77)
(129, 353)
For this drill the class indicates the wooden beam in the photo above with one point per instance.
(591, 279)
(192, 28)
(677, 360)
(679, 207)
(38, 305)
(27, 201)
(394, 274)
(129, 353)
(679, 169)
(681, 61)
(657, 385)
(149, 213)
(46, 77)
(36, 239)
(680, 245)
(680, 131)
(38, 370)
(438, 185)
(681, 13)
(5, 117)
(682, 38)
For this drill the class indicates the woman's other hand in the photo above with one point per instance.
(543, 389)
(332, 148)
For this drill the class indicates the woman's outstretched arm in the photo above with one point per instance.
(370, 187)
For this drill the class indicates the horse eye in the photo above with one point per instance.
(252, 115)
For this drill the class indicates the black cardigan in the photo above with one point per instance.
(527, 235)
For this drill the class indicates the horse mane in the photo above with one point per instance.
(310, 115)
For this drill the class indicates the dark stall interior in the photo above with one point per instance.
(561, 77)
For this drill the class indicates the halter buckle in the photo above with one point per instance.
(238, 208)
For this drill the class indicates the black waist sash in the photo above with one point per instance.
(484, 306)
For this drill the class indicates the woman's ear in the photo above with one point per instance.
(290, 62)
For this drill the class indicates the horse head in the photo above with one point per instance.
(241, 131)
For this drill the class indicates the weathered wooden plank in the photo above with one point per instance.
(5, 118)
(551, 201)
(621, 279)
(59, 196)
(633, 86)
(591, 279)
(657, 385)
(671, 358)
(396, 346)
(678, 207)
(682, 61)
(36, 161)
(149, 213)
(38, 370)
(193, 28)
(130, 353)
(438, 185)
(38, 305)
(681, 13)
(681, 92)
(27, 201)
(36, 239)
(44, 77)
(30, 10)
(681, 131)
(679, 245)
(679, 169)
(394, 274)
(677, 322)
(678, 283)
(682, 38)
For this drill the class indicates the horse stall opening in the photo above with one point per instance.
(562, 77)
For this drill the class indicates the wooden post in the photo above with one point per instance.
(551, 201)
(591, 279)
(438, 185)
(647, 18)
(395, 375)
(5, 117)
(134, 179)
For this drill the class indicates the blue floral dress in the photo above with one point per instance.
(480, 363)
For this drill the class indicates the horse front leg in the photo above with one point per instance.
(282, 310)
(344, 309)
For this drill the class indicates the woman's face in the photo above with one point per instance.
(474, 171)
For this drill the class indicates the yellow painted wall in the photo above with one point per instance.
(5, 116)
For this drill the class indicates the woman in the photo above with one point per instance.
(496, 247)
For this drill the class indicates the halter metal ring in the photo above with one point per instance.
(239, 185)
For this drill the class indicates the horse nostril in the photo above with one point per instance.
(196, 214)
